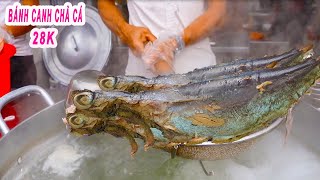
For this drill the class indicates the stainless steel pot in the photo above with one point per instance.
(32, 136)
(79, 48)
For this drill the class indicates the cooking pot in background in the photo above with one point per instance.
(79, 48)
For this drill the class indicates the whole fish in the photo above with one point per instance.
(219, 110)
(137, 83)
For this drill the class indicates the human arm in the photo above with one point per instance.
(161, 56)
(135, 37)
(202, 26)
(21, 30)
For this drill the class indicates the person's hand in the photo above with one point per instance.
(136, 38)
(159, 56)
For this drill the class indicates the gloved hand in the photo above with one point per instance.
(159, 55)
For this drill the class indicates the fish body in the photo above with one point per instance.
(138, 83)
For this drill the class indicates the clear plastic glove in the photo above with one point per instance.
(159, 55)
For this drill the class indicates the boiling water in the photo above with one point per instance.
(106, 157)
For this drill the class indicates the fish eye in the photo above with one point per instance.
(107, 83)
(83, 100)
(76, 120)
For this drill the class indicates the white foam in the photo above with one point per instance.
(63, 161)
(269, 159)
(106, 156)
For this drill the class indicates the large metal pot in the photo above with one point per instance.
(37, 141)
(79, 48)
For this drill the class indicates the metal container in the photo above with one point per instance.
(228, 46)
(79, 48)
(44, 131)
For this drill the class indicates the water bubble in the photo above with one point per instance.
(19, 160)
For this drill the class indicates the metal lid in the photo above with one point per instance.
(79, 48)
